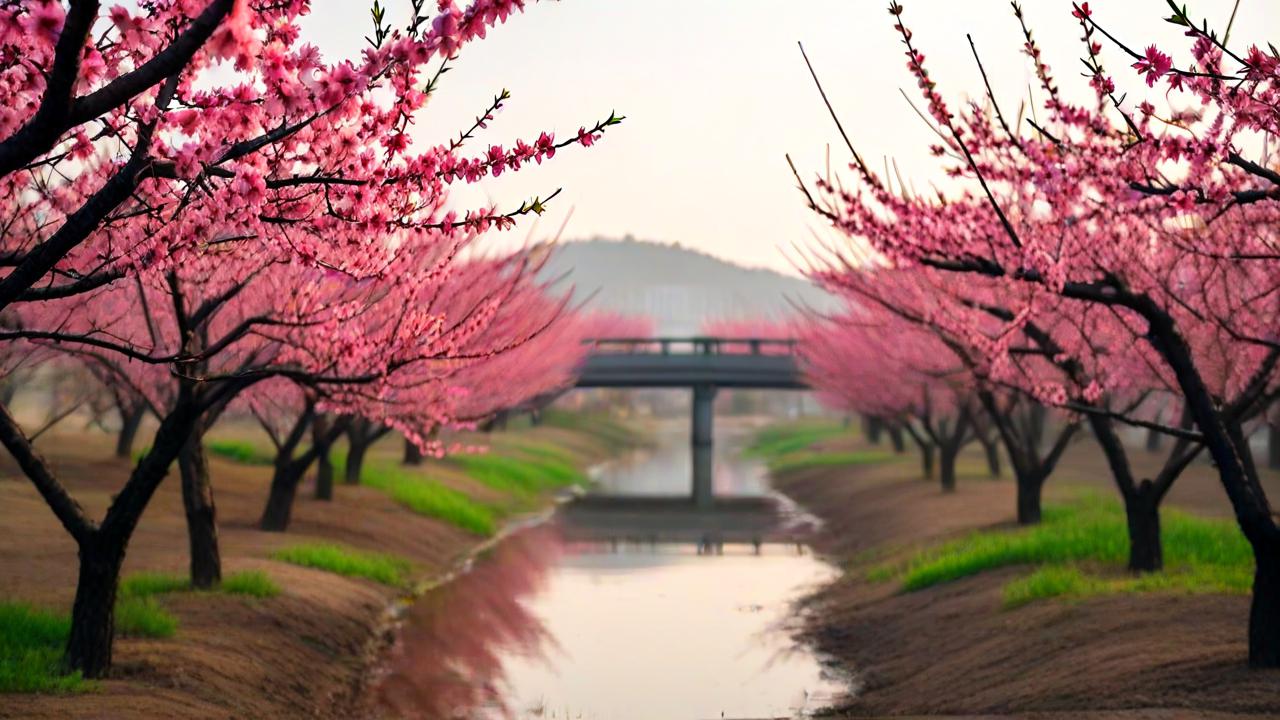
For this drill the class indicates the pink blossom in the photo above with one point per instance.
(1155, 65)
(1260, 65)
(45, 20)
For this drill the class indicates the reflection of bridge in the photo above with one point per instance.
(703, 364)
(639, 520)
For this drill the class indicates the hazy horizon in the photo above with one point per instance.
(716, 94)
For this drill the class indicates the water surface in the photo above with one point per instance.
(631, 606)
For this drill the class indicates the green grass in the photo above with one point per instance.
(1201, 555)
(779, 440)
(149, 583)
(535, 469)
(240, 451)
(612, 433)
(143, 617)
(252, 583)
(519, 476)
(521, 473)
(545, 452)
(379, 567)
(425, 496)
(31, 645)
(804, 459)
(32, 640)
(1069, 581)
(786, 448)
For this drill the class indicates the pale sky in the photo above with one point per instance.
(716, 93)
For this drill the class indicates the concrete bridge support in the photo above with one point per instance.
(702, 440)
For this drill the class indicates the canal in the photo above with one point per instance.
(630, 604)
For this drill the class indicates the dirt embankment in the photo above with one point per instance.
(952, 650)
(303, 653)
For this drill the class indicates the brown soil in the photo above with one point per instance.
(951, 650)
(301, 654)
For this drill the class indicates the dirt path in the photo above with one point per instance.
(953, 651)
(300, 654)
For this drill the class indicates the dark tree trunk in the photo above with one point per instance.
(93, 614)
(356, 450)
(1142, 510)
(324, 464)
(927, 461)
(202, 525)
(992, 450)
(284, 486)
(1264, 612)
(896, 439)
(874, 428)
(102, 547)
(1039, 420)
(129, 423)
(1273, 446)
(1030, 489)
(498, 422)
(947, 467)
(412, 453)
(1141, 500)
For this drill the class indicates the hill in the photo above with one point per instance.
(677, 287)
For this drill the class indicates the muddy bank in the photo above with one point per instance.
(953, 650)
(301, 654)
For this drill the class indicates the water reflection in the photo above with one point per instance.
(624, 608)
(449, 657)
(666, 469)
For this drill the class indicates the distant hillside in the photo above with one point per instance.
(677, 287)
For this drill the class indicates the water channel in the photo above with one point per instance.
(631, 604)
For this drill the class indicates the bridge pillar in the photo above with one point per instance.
(702, 439)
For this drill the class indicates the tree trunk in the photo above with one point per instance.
(874, 427)
(284, 486)
(1264, 612)
(93, 614)
(992, 450)
(1142, 510)
(129, 424)
(1273, 446)
(412, 454)
(324, 464)
(948, 467)
(895, 437)
(202, 526)
(1030, 488)
(356, 450)
(926, 461)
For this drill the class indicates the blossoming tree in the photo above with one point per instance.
(208, 151)
(1162, 222)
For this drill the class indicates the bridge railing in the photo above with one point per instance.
(694, 345)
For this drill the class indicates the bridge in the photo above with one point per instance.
(702, 364)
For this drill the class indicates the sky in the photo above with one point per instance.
(716, 94)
